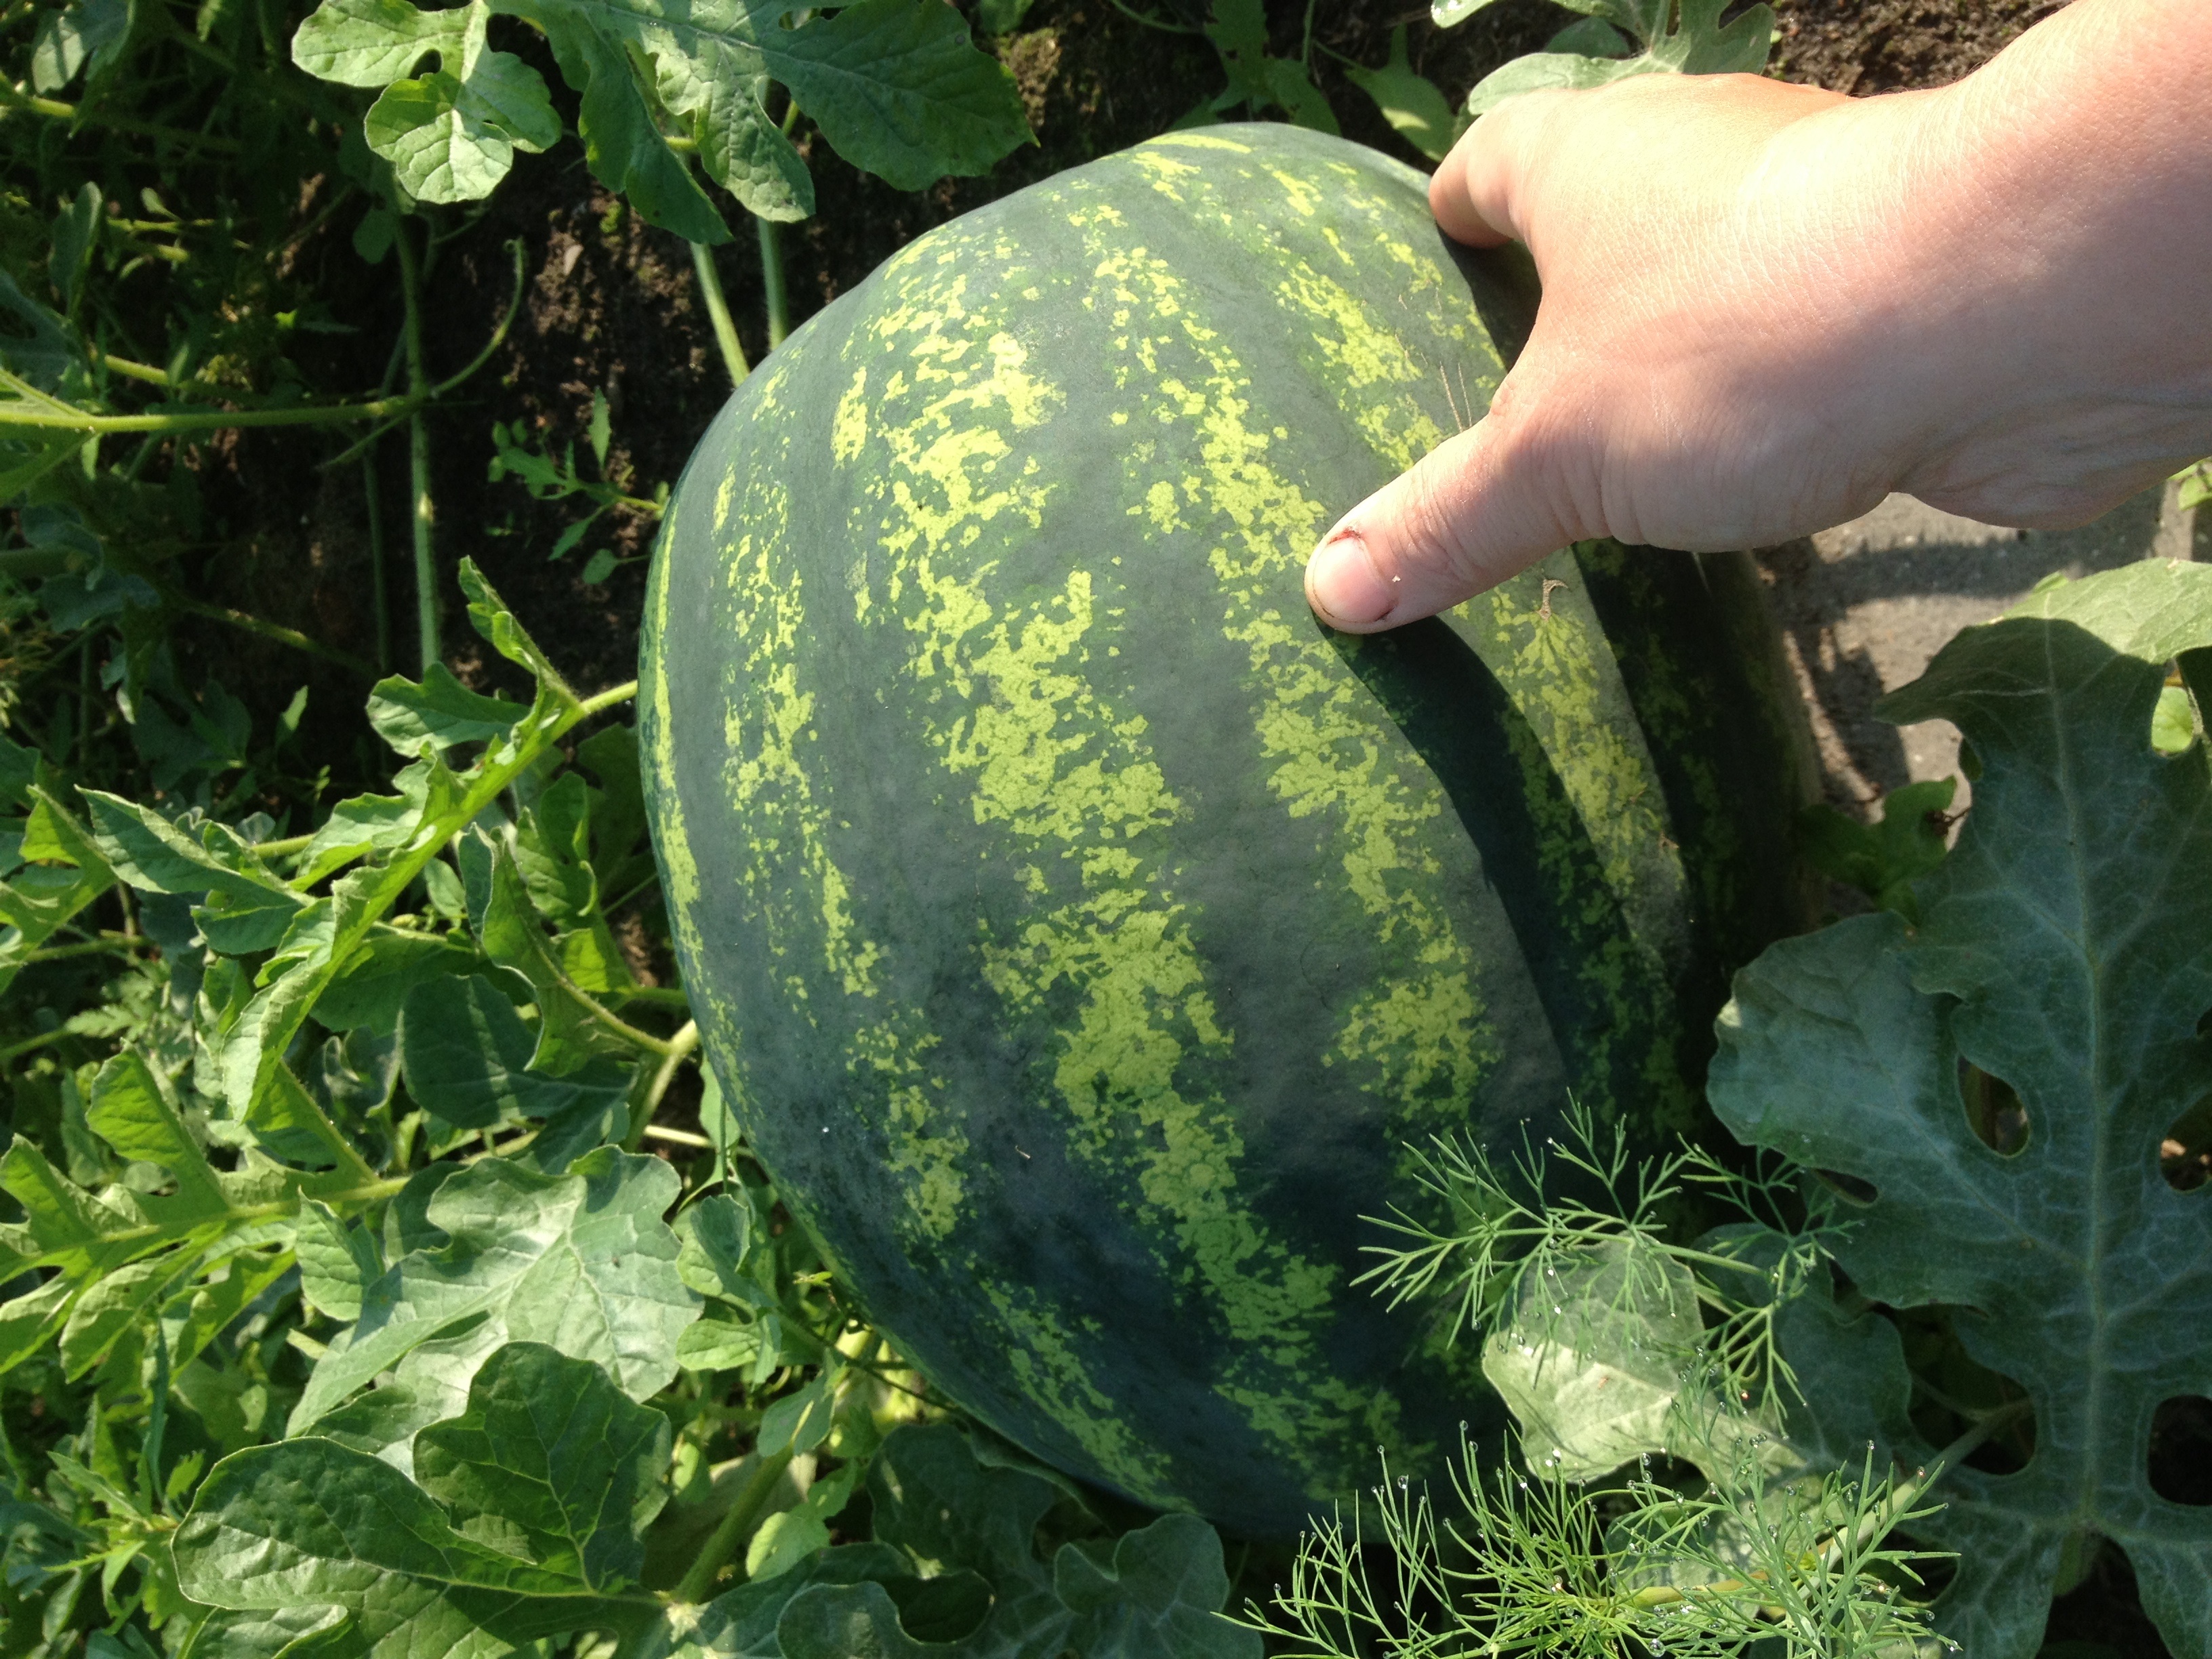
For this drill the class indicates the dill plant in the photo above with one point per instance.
(1563, 1263)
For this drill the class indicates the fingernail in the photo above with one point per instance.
(1341, 581)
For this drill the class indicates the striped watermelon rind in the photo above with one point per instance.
(1079, 930)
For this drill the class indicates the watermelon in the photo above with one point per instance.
(1083, 933)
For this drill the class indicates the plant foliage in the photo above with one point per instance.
(354, 1320)
(1973, 1220)
(1620, 38)
(2064, 949)
(896, 86)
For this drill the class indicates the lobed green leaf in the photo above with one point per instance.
(581, 1261)
(2065, 949)
(896, 87)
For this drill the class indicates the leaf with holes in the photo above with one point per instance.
(2065, 949)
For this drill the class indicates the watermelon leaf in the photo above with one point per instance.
(1158, 1589)
(1410, 102)
(523, 1522)
(896, 87)
(440, 711)
(453, 139)
(154, 856)
(466, 1054)
(129, 1110)
(551, 1445)
(2064, 949)
(337, 1261)
(451, 134)
(66, 873)
(724, 1250)
(742, 1623)
(91, 31)
(1884, 859)
(1237, 31)
(581, 1261)
(1698, 43)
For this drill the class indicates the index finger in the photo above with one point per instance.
(1475, 186)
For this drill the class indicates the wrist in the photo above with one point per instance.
(2054, 252)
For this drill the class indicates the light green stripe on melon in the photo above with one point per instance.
(1371, 368)
(1168, 175)
(1555, 667)
(673, 839)
(1196, 141)
(1612, 798)
(1364, 357)
(1052, 1376)
(1424, 1034)
(1074, 782)
(772, 793)
(1552, 668)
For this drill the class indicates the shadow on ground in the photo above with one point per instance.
(1862, 608)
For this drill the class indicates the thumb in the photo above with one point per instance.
(1475, 510)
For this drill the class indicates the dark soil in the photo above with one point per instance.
(1892, 45)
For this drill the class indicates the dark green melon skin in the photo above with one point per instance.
(1081, 932)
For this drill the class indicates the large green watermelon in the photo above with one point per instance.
(1081, 930)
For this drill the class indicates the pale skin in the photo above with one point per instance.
(1766, 307)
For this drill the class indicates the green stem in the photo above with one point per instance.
(613, 697)
(656, 996)
(345, 1200)
(735, 1528)
(379, 599)
(55, 110)
(277, 631)
(15, 1050)
(600, 1015)
(423, 512)
(88, 948)
(23, 562)
(1150, 22)
(278, 849)
(779, 309)
(679, 1048)
(545, 727)
(404, 406)
(191, 42)
(84, 708)
(718, 312)
(135, 371)
(52, 414)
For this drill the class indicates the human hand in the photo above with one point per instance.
(1766, 306)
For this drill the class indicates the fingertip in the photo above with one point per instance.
(1475, 191)
(1452, 205)
(1343, 585)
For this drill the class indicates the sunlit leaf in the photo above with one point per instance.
(2064, 949)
